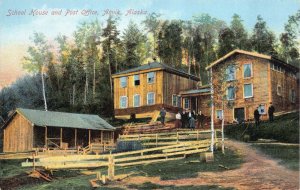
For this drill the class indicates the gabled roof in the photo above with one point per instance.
(156, 65)
(254, 54)
(62, 119)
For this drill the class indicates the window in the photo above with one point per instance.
(247, 70)
(150, 98)
(174, 100)
(230, 72)
(178, 101)
(136, 100)
(248, 90)
(123, 102)
(230, 93)
(150, 77)
(123, 82)
(262, 109)
(279, 89)
(293, 96)
(219, 114)
(136, 80)
(186, 102)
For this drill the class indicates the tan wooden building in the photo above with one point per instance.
(28, 129)
(145, 89)
(254, 80)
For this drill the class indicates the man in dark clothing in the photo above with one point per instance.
(271, 111)
(200, 120)
(163, 115)
(256, 117)
(184, 118)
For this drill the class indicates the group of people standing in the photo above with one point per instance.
(271, 111)
(189, 119)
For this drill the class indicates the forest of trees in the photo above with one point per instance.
(74, 75)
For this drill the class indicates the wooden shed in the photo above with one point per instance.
(29, 129)
(145, 89)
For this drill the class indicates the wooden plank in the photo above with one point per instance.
(46, 137)
(148, 161)
(60, 140)
(161, 155)
(75, 140)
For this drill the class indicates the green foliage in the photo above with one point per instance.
(284, 129)
(262, 39)
(288, 154)
(170, 43)
(9, 168)
(135, 46)
(288, 39)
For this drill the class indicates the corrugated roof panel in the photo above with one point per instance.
(63, 119)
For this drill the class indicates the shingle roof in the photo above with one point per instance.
(65, 120)
(158, 65)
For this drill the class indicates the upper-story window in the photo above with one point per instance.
(136, 80)
(248, 90)
(247, 70)
(293, 96)
(230, 93)
(279, 90)
(150, 77)
(230, 72)
(219, 114)
(123, 82)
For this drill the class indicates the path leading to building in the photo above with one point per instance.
(258, 172)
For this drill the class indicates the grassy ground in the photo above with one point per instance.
(285, 128)
(187, 168)
(148, 185)
(9, 168)
(184, 168)
(287, 154)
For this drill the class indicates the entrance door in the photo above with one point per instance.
(239, 114)
(193, 104)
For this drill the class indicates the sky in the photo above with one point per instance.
(19, 19)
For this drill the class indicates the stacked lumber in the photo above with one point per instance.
(155, 127)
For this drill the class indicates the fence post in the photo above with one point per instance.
(111, 168)
(177, 137)
(197, 134)
(156, 136)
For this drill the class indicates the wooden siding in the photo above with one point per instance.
(259, 81)
(130, 90)
(18, 135)
(283, 102)
(165, 85)
(173, 84)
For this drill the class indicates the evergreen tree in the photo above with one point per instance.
(240, 36)
(226, 41)
(262, 39)
(288, 39)
(134, 44)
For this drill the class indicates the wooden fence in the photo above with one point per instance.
(144, 156)
(170, 138)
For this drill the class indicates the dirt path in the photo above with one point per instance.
(257, 173)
